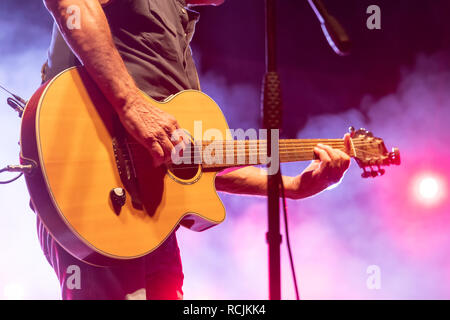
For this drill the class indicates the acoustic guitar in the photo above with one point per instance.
(99, 195)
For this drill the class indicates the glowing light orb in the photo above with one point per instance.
(430, 189)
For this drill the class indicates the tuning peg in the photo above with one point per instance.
(381, 171)
(394, 156)
(365, 174)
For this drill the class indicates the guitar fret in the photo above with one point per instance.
(254, 152)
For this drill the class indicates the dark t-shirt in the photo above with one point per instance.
(153, 37)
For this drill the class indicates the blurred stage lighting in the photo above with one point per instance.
(430, 189)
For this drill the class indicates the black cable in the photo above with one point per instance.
(288, 242)
(11, 180)
(23, 102)
(16, 105)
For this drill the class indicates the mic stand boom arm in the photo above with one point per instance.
(332, 29)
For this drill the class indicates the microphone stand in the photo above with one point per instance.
(272, 113)
(272, 121)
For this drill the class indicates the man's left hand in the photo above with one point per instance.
(322, 173)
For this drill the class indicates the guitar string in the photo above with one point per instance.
(298, 146)
(288, 156)
(211, 165)
(263, 142)
(260, 151)
(281, 141)
(283, 150)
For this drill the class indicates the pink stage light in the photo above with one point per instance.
(429, 189)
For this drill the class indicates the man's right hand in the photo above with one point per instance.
(94, 47)
(157, 130)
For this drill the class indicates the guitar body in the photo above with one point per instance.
(80, 152)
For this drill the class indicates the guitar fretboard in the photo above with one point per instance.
(253, 152)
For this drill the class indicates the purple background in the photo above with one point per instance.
(396, 83)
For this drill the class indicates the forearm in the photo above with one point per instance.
(250, 181)
(94, 47)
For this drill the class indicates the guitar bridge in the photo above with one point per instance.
(126, 169)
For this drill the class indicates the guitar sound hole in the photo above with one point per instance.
(184, 171)
(188, 171)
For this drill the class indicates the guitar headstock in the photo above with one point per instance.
(371, 154)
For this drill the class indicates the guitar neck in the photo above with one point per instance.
(223, 154)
